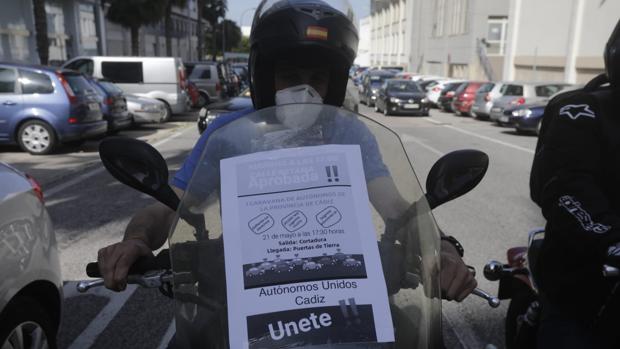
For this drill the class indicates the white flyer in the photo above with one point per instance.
(302, 261)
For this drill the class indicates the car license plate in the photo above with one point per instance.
(411, 106)
(496, 110)
(504, 118)
(93, 106)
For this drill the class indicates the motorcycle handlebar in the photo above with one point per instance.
(141, 266)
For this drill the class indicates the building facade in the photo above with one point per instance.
(79, 27)
(569, 50)
(458, 38)
(363, 50)
(153, 38)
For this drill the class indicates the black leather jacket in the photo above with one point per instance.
(575, 179)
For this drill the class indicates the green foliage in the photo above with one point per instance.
(213, 10)
(244, 45)
(131, 13)
(213, 39)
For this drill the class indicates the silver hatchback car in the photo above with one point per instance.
(30, 281)
(515, 94)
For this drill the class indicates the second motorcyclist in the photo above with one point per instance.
(575, 180)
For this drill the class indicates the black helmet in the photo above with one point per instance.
(612, 57)
(307, 32)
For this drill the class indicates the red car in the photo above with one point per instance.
(464, 97)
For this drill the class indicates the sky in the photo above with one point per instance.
(241, 10)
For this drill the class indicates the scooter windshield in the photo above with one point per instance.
(304, 225)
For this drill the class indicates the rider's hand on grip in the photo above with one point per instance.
(116, 260)
(456, 280)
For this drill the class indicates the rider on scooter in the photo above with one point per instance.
(296, 55)
(575, 181)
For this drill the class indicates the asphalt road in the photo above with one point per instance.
(90, 210)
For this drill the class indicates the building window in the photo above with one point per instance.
(496, 35)
(88, 28)
(458, 22)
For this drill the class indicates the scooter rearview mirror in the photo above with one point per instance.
(455, 174)
(140, 166)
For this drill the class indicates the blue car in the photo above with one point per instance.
(113, 105)
(527, 118)
(41, 107)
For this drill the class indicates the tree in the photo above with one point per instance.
(40, 27)
(168, 22)
(232, 36)
(244, 45)
(210, 11)
(134, 14)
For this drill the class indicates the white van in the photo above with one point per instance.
(161, 78)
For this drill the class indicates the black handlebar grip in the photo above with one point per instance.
(140, 267)
(92, 270)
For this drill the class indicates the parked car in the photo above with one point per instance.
(399, 96)
(210, 80)
(214, 110)
(30, 279)
(351, 98)
(527, 118)
(371, 85)
(161, 78)
(41, 107)
(194, 95)
(241, 69)
(434, 92)
(464, 97)
(515, 94)
(444, 102)
(484, 99)
(145, 110)
(113, 105)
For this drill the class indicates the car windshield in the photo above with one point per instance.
(111, 88)
(79, 84)
(404, 86)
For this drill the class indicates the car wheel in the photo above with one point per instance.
(26, 325)
(385, 111)
(36, 137)
(168, 113)
(203, 100)
(376, 107)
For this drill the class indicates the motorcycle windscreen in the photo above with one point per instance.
(305, 226)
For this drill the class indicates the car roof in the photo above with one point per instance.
(38, 67)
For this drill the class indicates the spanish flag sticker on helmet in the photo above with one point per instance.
(317, 33)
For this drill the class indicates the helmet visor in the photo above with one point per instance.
(341, 6)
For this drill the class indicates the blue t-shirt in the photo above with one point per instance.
(341, 130)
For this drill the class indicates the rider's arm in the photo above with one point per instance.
(572, 172)
(152, 224)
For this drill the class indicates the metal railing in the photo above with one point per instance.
(481, 48)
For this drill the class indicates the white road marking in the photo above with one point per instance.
(99, 323)
(493, 140)
(435, 121)
(168, 336)
(62, 186)
(410, 139)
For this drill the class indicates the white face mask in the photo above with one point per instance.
(297, 117)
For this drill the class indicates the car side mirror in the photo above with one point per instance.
(137, 164)
(454, 175)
